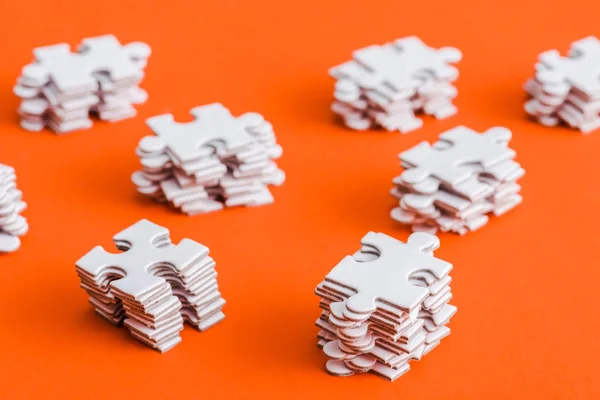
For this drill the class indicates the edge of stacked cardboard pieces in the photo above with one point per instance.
(384, 306)
(567, 89)
(12, 224)
(61, 89)
(153, 286)
(216, 161)
(455, 183)
(385, 85)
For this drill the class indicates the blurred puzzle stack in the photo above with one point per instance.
(567, 89)
(61, 89)
(12, 223)
(385, 85)
(216, 161)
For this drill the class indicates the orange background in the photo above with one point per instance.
(525, 285)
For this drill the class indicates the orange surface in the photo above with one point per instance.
(525, 285)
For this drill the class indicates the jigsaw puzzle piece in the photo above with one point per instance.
(187, 141)
(136, 263)
(581, 69)
(386, 279)
(450, 159)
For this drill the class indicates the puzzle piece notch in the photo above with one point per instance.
(71, 71)
(213, 124)
(387, 278)
(143, 239)
(451, 159)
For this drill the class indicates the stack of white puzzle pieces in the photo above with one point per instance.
(567, 89)
(215, 161)
(455, 183)
(153, 286)
(60, 89)
(12, 223)
(384, 306)
(383, 86)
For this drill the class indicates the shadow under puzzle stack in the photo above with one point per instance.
(60, 89)
(455, 183)
(567, 89)
(384, 306)
(216, 161)
(384, 86)
(153, 286)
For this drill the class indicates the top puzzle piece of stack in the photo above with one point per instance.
(567, 89)
(453, 184)
(215, 161)
(384, 306)
(385, 85)
(60, 88)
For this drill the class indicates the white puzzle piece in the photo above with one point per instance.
(451, 164)
(398, 291)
